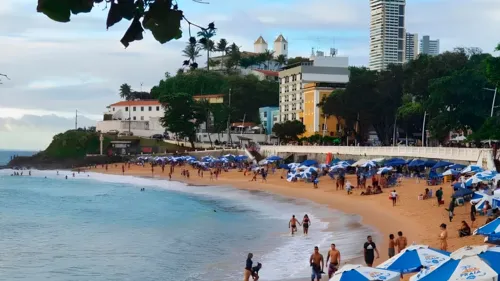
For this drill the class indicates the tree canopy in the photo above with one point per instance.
(447, 88)
(127, 93)
(289, 130)
(161, 17)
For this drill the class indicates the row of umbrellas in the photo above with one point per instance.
(480, 263)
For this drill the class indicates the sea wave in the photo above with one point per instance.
(288, 259)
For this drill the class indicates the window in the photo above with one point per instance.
(142, 118)
(401, 10)
(113, 109)
(133, 118)
(284, 46)
(265, 114)
(401, 21)
(142, 108)
(150, 108)
(157, 108)
(126, 108)
(133, 108)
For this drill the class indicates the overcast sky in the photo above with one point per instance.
(57, 68)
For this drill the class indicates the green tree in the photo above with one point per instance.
(222, 46)
(182, 115)
(410, 115)
(268, 57)
(206, 42)
(207, 109)
(281, 60)
(297, 60)
(289, 130)
(126, 92)
(191, 51)
(489, 130)
(161, 17)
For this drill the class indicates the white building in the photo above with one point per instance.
(411, 51)
(428, 46)
(280, 46)
(141, 117)
(260, 45)
(387, 33)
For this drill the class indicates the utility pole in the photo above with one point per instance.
(129, 118)
(324, 126)
(229, 119)
(243, 124)
(423, 130)
(494, 99)
(394, 132)
(76, 119)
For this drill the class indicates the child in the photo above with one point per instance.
(392, 250)
(255, 271)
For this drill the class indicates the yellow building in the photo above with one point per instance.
(312, 116)
(213, 99)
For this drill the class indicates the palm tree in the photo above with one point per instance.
(191, 52)
(126, 92)
(222, 46)
(180, 71)
(269, 56)
(281, 60)
(207, 114)
(245, 62)
(206, 35)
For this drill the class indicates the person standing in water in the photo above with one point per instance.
(292, 224)
(248, 267)
(317, 263)
(306, 222)
(334, 258)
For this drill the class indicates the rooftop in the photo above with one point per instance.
(212, 96)
(268, 72)
(260, 40)
(280, 39)
(136, 103)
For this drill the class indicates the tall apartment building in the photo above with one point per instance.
(387, 33)
(303, 85)
(428, 46)
(411, 46)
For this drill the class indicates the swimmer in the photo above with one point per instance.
(292, 224)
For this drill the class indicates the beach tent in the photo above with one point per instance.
(462, 192)
(416, 163)
(441, 164)
(414, 258)
(478, 263)
(350, 272)
(472, 169)
(359, 162)
(457, 167)
(310, 162)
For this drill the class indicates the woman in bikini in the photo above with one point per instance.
(306, 222)
(443, 237)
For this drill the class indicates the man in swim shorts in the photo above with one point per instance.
(334, 258)
(292, 224)
(317, 263)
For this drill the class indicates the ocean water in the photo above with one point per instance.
(5, 155)
(102, 227)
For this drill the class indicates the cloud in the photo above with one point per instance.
(34, 132)
(62, 67)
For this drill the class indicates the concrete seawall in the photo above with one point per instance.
(479, 156)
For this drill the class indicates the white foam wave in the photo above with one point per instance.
(288, 260)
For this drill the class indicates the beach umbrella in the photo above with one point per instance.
(378, 160)
(486, 175)
(492, 227)
(359, 162)
(462, 192)
(368, 164)
(414, 258)
(478, 263)
(395, 162)
(450, 172)
(416, 163)
(384, 170)
(274, 158)
(350, 272)
(441, 164)
(457, 167)
(430, 163)
(290, 176)
(477, 196)
(472, 169)
(481, 202)
(309, 162)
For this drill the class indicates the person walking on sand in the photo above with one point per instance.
(443, 237)
(451, 209)
(317, 264)
(334, 258)
(306, 222)
(439, 196)
(401, 241)
(473, 213)
(123, 169)
(394, 197)
(248, 267)
(369, 250)
(292, 224)
(391, 251)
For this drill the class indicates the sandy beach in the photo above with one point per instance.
(419, 220)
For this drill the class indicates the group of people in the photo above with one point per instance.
(306, 222)
(317, 262)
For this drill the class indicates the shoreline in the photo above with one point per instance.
(419, 220)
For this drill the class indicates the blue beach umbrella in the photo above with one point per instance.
(441, 164)
(274, 158)
(457, 166)
(478, 263)
(492, 227)
(414, 258)
(472, 169)
(310, 162)
(369, 164)
(351, 272)
(384, 170)
(416, 163)
(450, 172)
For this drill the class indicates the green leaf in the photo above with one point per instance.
(134, 33)
(57, 10)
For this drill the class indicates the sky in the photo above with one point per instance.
(58, 68)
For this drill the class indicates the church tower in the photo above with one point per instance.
(280, 46)
(260, 46)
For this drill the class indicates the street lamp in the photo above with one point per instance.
(494, 98)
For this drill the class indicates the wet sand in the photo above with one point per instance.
(419, 220)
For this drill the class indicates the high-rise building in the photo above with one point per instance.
(411, 45)
(387, 33)
(428, 46)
